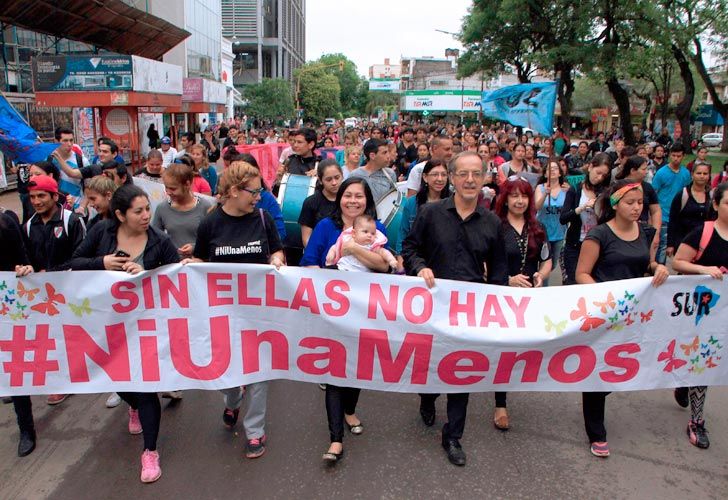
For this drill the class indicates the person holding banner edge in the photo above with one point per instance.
(704, 251)
(128, 243)
(619, 248)
(236, 231)
(456, 239)
(353, 199)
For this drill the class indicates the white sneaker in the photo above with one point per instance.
(113, 400)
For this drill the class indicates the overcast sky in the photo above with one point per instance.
(367, 31)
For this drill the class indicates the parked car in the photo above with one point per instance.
(712, 140)
(350, 122)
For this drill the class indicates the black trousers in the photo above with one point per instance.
(593, 405)
(500, 399)
(339, 401)
(457, 410)
(150, 414)
(571, 258)
(24, 413)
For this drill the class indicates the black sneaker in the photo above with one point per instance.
(681, 396)
(230, 417)
(255, 447)
(698, 434)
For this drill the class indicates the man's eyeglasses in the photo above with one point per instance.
(462, 175)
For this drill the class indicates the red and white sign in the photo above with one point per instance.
(214, 326)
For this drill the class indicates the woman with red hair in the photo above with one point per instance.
(527, 253)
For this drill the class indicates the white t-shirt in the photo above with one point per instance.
(168, 157)
(415, 176)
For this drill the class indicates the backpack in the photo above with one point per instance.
(686, 195)
(705, 236)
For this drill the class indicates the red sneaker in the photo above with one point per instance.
(55, 399)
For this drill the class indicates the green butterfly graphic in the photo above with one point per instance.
(80, 310)
(551, 325)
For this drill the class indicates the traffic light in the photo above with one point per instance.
(341, 65)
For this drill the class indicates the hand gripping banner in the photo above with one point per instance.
(213, 326)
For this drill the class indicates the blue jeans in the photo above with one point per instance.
(662, 246)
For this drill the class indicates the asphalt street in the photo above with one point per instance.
(85, 451)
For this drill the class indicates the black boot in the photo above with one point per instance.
(26, 445)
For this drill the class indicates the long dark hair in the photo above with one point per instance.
(123, 198)
(603, 207)
(536, 234)
(321, 168)
(545, 177)
(371, 208)
(599, 160)
(634, 162)
(421, 195)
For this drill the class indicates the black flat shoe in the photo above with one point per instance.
(681, 397)
(427, 412)
(455, 453)
(26, 445)
(355, 429)
(331, 457)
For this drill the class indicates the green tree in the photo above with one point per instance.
(376, 100)
(271, 99)
(345, 71)
(318, 92)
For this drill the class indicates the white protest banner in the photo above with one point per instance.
(212, 326)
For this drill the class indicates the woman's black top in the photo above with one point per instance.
(619, 259)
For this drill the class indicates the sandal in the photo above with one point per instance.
(332, 457)
(355, 429)
(502, 423)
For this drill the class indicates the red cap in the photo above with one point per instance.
(43, 183)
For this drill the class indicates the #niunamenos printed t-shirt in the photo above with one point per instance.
(245, 239)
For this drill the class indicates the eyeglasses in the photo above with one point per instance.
(253, 192)
(466, 174)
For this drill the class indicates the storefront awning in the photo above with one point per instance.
(107, 24)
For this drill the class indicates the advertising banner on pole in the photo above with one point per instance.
(82, 73)
(213, 326)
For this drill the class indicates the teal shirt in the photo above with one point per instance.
(668, 184)
(409, 212)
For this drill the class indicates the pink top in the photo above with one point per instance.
(201, 186)
(379, 241)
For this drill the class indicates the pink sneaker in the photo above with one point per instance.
(135, 426)
(55, 399)
(150, 467)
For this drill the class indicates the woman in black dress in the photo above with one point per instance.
(527, 253)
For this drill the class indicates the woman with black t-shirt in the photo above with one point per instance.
(635, 170)
(619, 248)
(526, 251)
(322, 202)
(578, 212)
(231, 227)
(690, 207)
(713, 261)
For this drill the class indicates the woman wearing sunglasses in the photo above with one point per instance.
(233, 226)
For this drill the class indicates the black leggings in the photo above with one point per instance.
(593, 405)
(339, 401)
(150, 414)
(24, 413)
(571, 258)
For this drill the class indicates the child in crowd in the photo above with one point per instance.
(364, 233)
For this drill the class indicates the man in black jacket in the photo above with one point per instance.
(456, 239)
(51, 235)
(303, 161)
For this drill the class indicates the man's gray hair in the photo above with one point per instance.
(453, 163)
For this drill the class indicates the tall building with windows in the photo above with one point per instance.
(268, 37)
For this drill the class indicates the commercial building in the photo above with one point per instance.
(268, 37)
